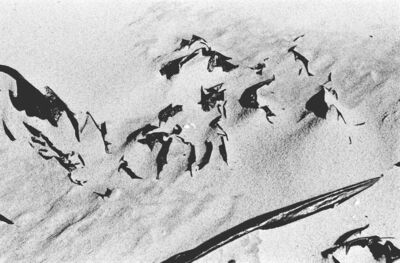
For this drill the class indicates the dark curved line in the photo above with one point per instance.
(274, 219)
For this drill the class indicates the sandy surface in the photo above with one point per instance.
(105, 58)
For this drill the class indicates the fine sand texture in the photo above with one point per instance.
(285, 125)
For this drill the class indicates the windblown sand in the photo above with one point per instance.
(105, 56)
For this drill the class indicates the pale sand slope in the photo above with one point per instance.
(105, 58)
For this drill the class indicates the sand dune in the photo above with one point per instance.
(105, 58)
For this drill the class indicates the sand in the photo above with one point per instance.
(104, 57)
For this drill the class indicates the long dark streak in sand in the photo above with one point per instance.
(274, 219)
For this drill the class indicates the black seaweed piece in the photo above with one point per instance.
(298, 56)
(248, 99)
(205, 105)
(385, 115)
(32, 130)
(38, 141)
(329, 251)
(268, 113)
(219, 60)
(44, 106)
(274, 219)
(377, 249)
(162, 155)
(143, 131)
(59, 106)
(296, 38)
(329, 78)
(219, 109)
(46, 157)
(151, 139)
(168, 112)
(208, 52)
(387, 250)
(224, 109)
(107, 193)
(64, 161)
(361, 241)
(222, 150)
(191, 159)
(317, 104)
(214, 123)
(192, 155)
(189, 43)
(6, 220)
(207, 155)
(81, 159)
(210, 99)
(123, 164)
(189, 57)
(176, 130)
(29, 99)
(183, 140)
(350, 233)
(258, 68)
(196, 38)
(184, 43)
(77, 182)
(340, 115)
(172, 67)
(62, 158)
(392, 251)
(103, 132)
(8, 132)
(226, 65)
(216, 88)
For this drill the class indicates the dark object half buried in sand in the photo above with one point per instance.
(298, 56)
(273, 219)
(248, 99)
